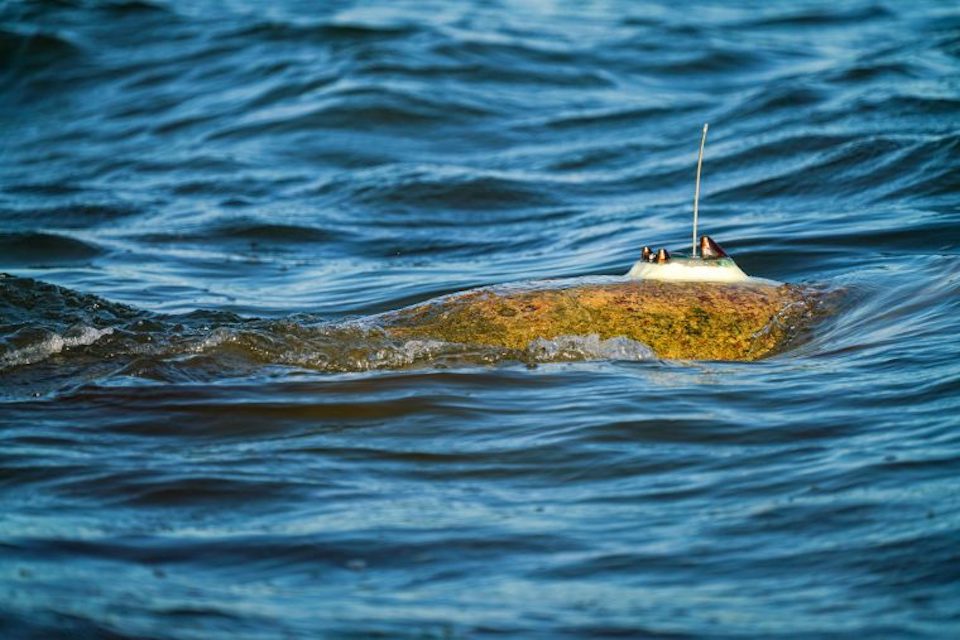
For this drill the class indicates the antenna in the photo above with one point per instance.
(696, 193)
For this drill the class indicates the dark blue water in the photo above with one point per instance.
(190, 192)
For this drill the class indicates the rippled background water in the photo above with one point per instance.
(190, 190)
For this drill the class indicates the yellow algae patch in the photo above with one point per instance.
(678, 320)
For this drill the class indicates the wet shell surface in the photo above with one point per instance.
(678, 320)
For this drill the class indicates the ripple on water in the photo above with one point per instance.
(201, 440)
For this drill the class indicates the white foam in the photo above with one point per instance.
(589, 347)
(407, 353)
(53, 343)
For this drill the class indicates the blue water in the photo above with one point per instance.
(190, 192)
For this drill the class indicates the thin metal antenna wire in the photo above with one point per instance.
(696, 193)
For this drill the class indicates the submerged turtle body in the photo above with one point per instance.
(681, 320)
(699, 308)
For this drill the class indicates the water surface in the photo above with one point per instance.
(191, 192)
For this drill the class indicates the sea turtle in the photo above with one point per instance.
(699, 307)
(694, 308)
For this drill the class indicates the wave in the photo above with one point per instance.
(67, 216)
(33, 249)
(293, 169)
(360, 109)
(605, 118)
(425, 189)
(811, 17)
(18, 43)
(43, 320)
(32, 49)
(131, 7)
(858, 168)
(29, 346)
(589, 347)
(322, 32)
(489, 73)
(248, 232)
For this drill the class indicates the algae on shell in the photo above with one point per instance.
(678, 320)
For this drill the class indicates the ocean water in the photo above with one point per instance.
(197, 197)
